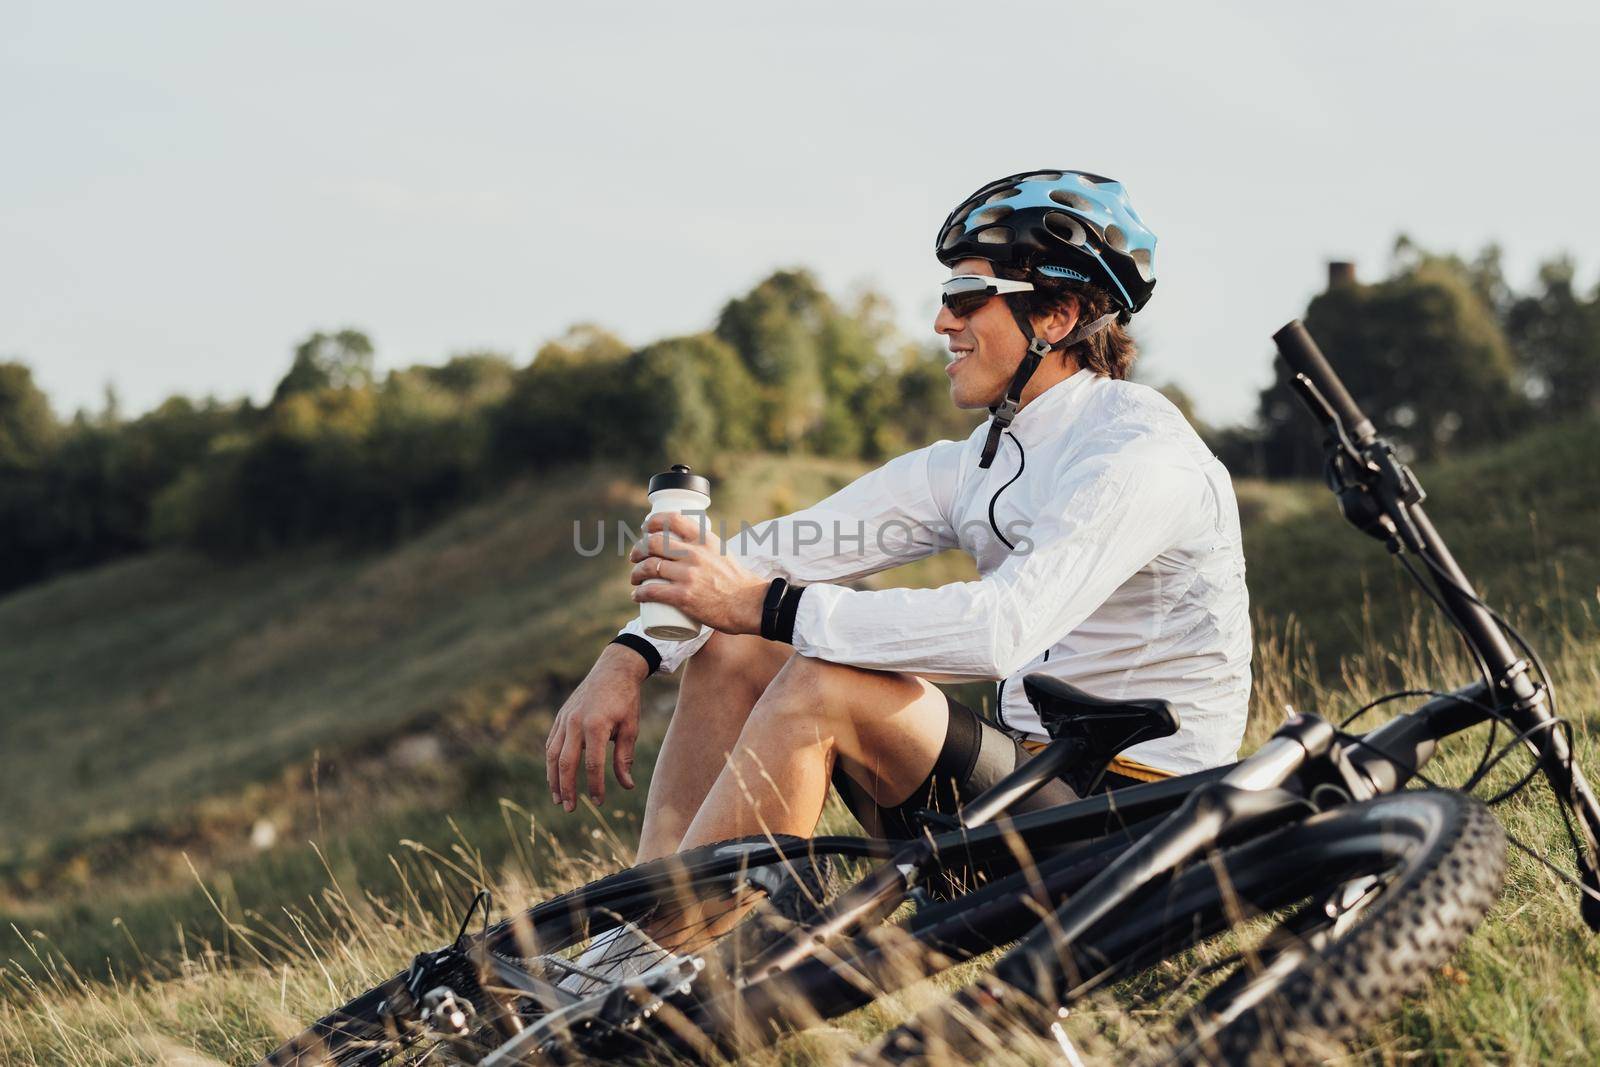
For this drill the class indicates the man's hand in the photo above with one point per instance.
(605, 706)
(700, 579)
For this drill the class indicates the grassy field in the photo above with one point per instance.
(177, 731)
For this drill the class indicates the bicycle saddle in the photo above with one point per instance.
(1101, 728)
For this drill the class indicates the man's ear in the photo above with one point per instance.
(1058, 323)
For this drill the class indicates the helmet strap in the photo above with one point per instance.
(1002, 413)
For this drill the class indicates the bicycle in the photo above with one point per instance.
(1368, 884)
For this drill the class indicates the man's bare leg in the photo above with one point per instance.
(889, 728)
(721, 683)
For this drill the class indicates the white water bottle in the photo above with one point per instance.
(675, 490)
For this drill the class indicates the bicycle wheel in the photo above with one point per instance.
(1349, 959)
(1379, 893)
(687, 902)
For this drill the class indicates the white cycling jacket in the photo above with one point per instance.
(1107, 539)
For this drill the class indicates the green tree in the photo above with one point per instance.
(906, 403)
(475, 378)
(549, 416)
(777, 330)
(341, 360)
(1421, 352)
(685, 399)
(584, 344)
(1556, 331)
(426, 451)
(28, 428)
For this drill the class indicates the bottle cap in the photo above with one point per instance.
(680, 478)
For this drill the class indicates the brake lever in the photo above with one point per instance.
(1374, 488)
(1323, 412)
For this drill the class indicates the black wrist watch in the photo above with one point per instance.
(770, 608)
(646, 650)
(779, 609)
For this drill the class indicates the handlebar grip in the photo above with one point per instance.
(1303, 356)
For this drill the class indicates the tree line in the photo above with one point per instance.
(340, 452)
(1442, 352)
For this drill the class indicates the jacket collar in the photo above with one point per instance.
(1048, 413)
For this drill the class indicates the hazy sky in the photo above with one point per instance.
(188, 189)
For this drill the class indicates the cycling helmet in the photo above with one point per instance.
(1061, 223)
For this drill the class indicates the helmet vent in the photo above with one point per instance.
(995, 235)
(1116, 238)
(1076, 201)
(1065, 227)
(1141, 259)
(991, 214)
(1002, 194)
(1045, 176)
(1050, 270)
(951, 237)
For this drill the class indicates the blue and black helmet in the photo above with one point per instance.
(1061, 223)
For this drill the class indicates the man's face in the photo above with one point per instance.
(986, 345)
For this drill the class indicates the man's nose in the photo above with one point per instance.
(946, 322)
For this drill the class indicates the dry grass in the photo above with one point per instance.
(1522, 990)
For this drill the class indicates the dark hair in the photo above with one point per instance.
(1111, 351)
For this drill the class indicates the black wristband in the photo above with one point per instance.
(769, 607)
(652, 658)
(784, 631)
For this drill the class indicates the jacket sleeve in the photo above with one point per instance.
(893, 515)
(1112, 515)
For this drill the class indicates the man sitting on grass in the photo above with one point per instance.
(1105, 532)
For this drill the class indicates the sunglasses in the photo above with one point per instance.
(966, 293)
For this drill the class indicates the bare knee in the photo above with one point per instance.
(742, 659)
(834, 696)
(727, 676)
(887, 727)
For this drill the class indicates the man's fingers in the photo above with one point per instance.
(552, 758)
(656, 567)
(683, 527)
(594, 761)
(622, 759)
(571, 752)
(669, 545)
(659, 593)
(671, 530)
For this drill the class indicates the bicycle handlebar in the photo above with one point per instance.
(1303, 356)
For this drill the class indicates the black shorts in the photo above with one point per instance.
(976, 755)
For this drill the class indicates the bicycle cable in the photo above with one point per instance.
(1401, 694)
(1552, 868)
(1477, 657)
(1544, 680)
(1500, 621)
